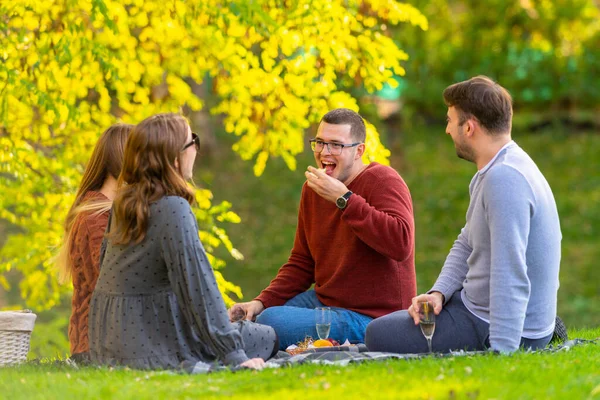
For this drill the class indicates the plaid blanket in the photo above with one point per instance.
(339, 355)
(344, 355)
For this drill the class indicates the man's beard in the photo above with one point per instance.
(466, 153)
(463, 150)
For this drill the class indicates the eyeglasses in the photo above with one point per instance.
(317, 145)
(195, 141)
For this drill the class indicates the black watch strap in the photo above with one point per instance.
(342, 201)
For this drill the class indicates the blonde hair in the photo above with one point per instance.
(149, 173)
(106, 160)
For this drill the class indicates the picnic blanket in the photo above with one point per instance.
(344, 355)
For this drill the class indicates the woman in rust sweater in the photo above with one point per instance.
(78, 259)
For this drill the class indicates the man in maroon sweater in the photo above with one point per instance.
(354, 242)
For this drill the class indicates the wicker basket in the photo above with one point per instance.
(15, 332)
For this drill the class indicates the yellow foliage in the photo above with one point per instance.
(69, 69)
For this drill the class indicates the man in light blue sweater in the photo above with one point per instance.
(498, 287)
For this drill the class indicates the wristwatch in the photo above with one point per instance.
(342, 201)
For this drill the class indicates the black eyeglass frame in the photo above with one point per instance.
(314, 142)
(195, 141)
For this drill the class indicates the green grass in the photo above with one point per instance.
(572, 374)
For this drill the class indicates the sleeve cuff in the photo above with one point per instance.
(236, 357)
(268, 301)
(446, 293)
(502, 349)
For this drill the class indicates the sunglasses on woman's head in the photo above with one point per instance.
(195, 141)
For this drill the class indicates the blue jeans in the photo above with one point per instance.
(296, 319)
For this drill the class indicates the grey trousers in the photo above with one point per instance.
(456, 328)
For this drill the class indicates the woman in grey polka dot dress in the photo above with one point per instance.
(156, 303)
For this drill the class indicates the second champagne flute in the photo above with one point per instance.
(427, 321)
(323, 321)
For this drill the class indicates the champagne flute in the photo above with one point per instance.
(323, 321)
(427, 321)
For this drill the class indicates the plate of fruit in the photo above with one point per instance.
(308, 343)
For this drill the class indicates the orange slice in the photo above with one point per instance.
(322, 343)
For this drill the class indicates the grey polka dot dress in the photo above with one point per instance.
(156, 304)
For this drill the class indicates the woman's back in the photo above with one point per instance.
(157, 303)
(84, 251)
(137, 317)
(139, 269)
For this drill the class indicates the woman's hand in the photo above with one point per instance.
(254, 363)
(251, 309)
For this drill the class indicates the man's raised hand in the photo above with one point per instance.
(327, 187)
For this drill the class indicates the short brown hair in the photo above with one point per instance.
(484, 99)
(345, 116)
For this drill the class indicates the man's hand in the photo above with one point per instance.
(254, 363)
(327, 187)
(251, 309)
(435, 298)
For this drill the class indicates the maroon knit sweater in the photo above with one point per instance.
(360, 258)
(88, 232)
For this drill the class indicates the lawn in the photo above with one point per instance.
(573, 374)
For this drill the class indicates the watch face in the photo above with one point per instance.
(341, 202)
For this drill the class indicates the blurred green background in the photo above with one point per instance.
(546, 53)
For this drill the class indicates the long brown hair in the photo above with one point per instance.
(149, 173)
(106, 160)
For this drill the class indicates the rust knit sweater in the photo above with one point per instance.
(88, 232)
(360, 258)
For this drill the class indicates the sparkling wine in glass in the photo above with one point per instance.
(427, 321)
(323, 321)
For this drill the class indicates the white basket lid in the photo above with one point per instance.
(17, 320)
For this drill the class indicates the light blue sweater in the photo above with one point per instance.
(507, 257)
